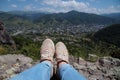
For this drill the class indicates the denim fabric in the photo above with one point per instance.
(67, 72)
(41, 71)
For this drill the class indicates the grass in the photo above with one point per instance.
(77, 46)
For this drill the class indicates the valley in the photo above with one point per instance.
(75, 29)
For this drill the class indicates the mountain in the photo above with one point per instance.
(26, 12)
(14, 20)
(32, 15)
(72, 17)
(76, 18)
(110, 34)
(22, 12)
(72, 22)
(113, 15)
(5, 38)
(6, 16)
(1, 11)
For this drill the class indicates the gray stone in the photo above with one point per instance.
(92, 57)
(105, 68)
(12, 59)
(109, 62)
(77, 66)
(81, 61)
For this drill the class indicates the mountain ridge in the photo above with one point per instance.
(113, 15)
(77, 18)
(71, 17)
(73, 21)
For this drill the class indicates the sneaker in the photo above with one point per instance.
(61, 53)
(47, 50)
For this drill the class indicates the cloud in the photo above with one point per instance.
(110, 9)
(29, 7)
(14, 6)
(68, 5)
(63, 4)
(47, 10)
(56, 6)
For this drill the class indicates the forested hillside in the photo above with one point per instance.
(110, 34)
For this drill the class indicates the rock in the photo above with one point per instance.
(81, 61)
(77, 66)
(10, 71)
(12, 59)
(106, 68)
(72, 59)
(92, 57)
(91, 66)
(117, 72)
(5, 37)
(115, 61)
(92, 78)
(29, 65)
(24, 60)
(10, 65)
(109, 62)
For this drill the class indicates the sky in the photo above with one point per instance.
(56, 6)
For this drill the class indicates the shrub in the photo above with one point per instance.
(3, 50)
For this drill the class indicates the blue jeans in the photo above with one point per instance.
(43, 70)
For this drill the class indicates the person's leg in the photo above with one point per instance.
(66, 71)
(41, 71)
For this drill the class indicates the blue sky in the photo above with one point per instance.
(55, 6)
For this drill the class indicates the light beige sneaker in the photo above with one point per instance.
(47, 50)
(61, 53)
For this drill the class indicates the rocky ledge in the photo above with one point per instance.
(105, 68)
